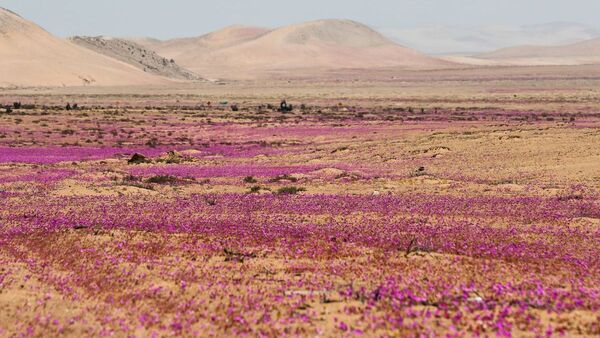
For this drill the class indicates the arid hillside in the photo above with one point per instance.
(135, 55)
(30, 56)
(248, 52)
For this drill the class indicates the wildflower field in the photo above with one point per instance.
(329, 220)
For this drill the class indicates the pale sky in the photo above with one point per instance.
(434, 26)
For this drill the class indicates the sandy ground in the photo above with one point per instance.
(490, 151)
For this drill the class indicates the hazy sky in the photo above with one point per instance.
(429, 24)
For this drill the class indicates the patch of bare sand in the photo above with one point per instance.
(25, 300)
(70, 188)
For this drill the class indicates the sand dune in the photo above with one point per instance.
(30, 56)
(243, 52)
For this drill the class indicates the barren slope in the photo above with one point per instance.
(239, 52)
(136, 55)
(196, 47)
(30, 56)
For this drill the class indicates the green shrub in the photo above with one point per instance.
(250, 179)
(162, 179)
(289, 190)
(254, 189)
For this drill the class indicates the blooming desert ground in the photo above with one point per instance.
(460, 210)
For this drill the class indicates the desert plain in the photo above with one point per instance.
(451, 200)
(459, 206)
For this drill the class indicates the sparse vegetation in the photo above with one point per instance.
(289, 190)
(255, 189)
(284, 177)
(263, 223)
(284, 107)
(163, 179)
(250, 179)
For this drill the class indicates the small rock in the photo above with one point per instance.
(138, 159)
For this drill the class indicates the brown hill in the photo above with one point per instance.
(136, 55)
(244, 52)
(191, 48)
(30, 56)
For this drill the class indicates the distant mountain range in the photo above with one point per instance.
(583, 49)
(581, 53)
(30, 56)
(245, 52)
(441, 39)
